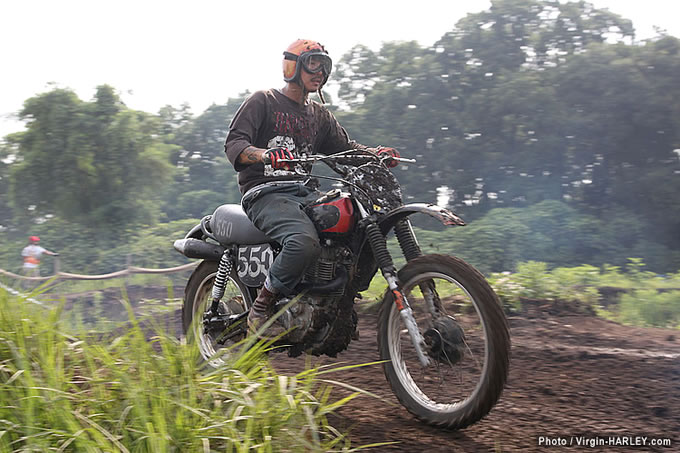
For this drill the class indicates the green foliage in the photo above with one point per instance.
(198, 203)
(83, 251)
(64, 391)
(373, 296)
(531, 101)
(59, 236)
(651, 300)
(635, 270)
(152, 247)
(204, 178)
(549, 231)
(578, 283)
(96, 163)
(535, 282)
(550, 108)
(612, 276)
(650, 307)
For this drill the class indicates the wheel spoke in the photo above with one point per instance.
(210, 346)
(472, 355)
(466, 336)
(446, 311)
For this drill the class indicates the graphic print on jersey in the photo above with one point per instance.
(290, 129)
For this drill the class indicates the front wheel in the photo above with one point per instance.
(467, 342)
(195, 311)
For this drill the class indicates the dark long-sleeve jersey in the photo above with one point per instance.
(269, 119)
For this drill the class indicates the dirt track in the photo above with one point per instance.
(570, 375)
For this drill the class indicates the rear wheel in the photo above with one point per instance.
(197, 302)
(467, 338)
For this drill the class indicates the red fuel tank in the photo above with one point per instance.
(335, 216)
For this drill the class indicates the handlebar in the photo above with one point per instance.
(345, 162)
(347, 155)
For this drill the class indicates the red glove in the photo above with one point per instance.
(388, 152)
(272, 156)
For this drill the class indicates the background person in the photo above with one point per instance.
(31, 254)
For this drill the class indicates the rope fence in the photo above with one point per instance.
(70, 276)
(122, 273)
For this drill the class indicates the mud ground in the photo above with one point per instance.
(570, 375)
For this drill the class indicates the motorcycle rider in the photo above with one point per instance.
(273, 125)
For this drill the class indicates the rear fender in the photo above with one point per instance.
(194, 244)
(195, 233)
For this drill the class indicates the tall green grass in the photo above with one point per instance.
(148, 392)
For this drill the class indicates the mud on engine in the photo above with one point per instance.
(310, 319)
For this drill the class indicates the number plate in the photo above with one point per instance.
(254, 262)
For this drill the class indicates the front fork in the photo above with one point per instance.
(410, 248)
(377, 241)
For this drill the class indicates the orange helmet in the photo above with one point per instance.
(301, 52)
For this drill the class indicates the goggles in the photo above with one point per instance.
(312, 62)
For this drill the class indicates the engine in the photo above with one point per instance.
(329, 275)
(319, 292)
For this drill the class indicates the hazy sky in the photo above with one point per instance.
(201, 52)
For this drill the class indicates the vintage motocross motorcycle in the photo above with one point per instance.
(441, 330)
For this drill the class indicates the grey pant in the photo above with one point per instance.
(278, 212)
(30, 272)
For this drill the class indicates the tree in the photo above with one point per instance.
(8, 151)
(622, 119)
(202, 166)
(96, 163)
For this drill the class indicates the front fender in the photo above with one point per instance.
(367, 263)
(444, 215)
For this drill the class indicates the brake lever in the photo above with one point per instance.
(405, 160)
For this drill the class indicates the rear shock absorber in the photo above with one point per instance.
(220, 284)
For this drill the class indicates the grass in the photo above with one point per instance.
(647, 299)
(371, 298)
(82, 286)
(68, 391)
(649, 307)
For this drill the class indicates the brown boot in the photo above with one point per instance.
(260, 313)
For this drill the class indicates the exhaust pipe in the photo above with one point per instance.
(195, 248)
